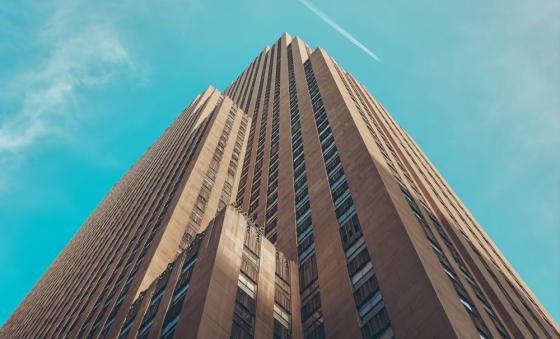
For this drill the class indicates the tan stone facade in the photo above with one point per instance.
(358, 234)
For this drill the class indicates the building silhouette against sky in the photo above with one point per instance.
(289, 206)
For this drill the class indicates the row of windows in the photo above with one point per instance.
(199, 208)
(360, 268)
(282, 298)
(272, 194)
(255, 187)
(246, 82)
(311, 311)
(243, 325)
(255, 71)
(237, 83)
(232, 170)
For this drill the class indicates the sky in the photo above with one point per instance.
(87, 86)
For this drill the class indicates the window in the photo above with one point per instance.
(468, 277)
(449, 274)
(304, 216)
(467, 305)
(189, 265)
(246, 286)
(353, 251)
(158, 296)
(300, 176)
(127, 327)
(301, 188)
(487, 308)
(109, 323)
(336, 168)
(169, 329)
(108, 302)
(308, 231)
(248, 257)
(181, 292)
(342, 198)
(282, 317)
(339, 182)
(146, 327)
(306, 254)
(130, 279)
(121, 299)
(333, 157)
(368, 267)
(329, 148)
(369, 305)
(435, 248)
(346, 216)
(302, 202)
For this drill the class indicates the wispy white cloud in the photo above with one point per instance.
(86, 54)
(323, 16)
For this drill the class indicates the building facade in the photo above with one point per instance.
(295, 182)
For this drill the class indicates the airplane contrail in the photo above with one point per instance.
(338, 28)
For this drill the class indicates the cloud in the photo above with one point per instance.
(78, 54)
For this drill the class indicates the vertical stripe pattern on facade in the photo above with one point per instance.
(271, 213)
(367, 296)
(312, 315)
(258, 165)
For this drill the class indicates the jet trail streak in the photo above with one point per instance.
(338, 28)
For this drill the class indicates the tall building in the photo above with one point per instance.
(291, 205)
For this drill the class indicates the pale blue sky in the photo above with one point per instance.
(87, 86)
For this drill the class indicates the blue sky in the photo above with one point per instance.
(86, 87)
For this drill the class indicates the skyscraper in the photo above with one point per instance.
(370, 241)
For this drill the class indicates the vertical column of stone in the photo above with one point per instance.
(251, 81)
